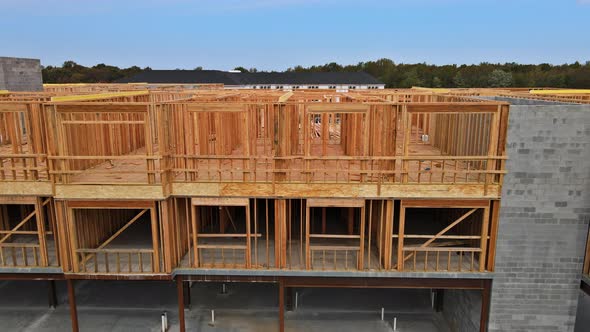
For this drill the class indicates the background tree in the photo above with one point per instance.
(500, 79)
(394, 75)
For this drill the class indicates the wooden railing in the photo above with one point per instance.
(20, 255)
(331, 257)
(447, 259)
(23, 167)
(222, 255)
(341, 169)
(111, 261)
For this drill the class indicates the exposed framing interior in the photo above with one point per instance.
(28, 236)
(305, 180)
(96, 229)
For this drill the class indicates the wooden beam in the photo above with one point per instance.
(335, 202)
(219, 201)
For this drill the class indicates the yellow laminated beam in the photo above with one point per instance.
(99, 96)
(64, 84)
(437, 90)
(285, 97)
(560, 92)
(4, 92)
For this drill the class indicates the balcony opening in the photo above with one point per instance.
(110, 240)
(441, 239)
(226, 232)
(27, 234)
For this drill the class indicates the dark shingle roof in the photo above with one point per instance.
(179, 76)
(228, 78)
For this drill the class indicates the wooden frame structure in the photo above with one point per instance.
(267, 163)
(140, 181)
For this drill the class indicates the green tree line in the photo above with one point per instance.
(394, 75)
(71, 72)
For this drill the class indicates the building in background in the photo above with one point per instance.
(262, 80)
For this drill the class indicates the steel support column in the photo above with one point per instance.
(51, 295)
(72, 302)
(281, 306)
(485, 305)
(180, 293)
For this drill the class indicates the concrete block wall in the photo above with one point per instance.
(462, 309)
(18, 74)
(543, 219)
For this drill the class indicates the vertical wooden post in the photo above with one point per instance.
(388, 220)
(280, 233)
(149, 148)
(167, 243)
(41, 230)
(155, 239)
(484, 239)
(180, 294)
(62, 236)
(72, 302)
(492, 149)
(194, 223)
(407, 127)
(361, 258)
(248, 238)
(73, 238)
(400, 239)
(307, 247)
(491, 260)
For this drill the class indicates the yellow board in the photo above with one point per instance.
(560, 92)
(64, 84)
(437, 90)
(4, 92)
(100, 96)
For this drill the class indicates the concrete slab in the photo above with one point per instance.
(138, 305)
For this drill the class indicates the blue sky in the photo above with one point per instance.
(275, 35)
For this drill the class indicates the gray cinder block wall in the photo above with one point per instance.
(543, 219)
(19, 74)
